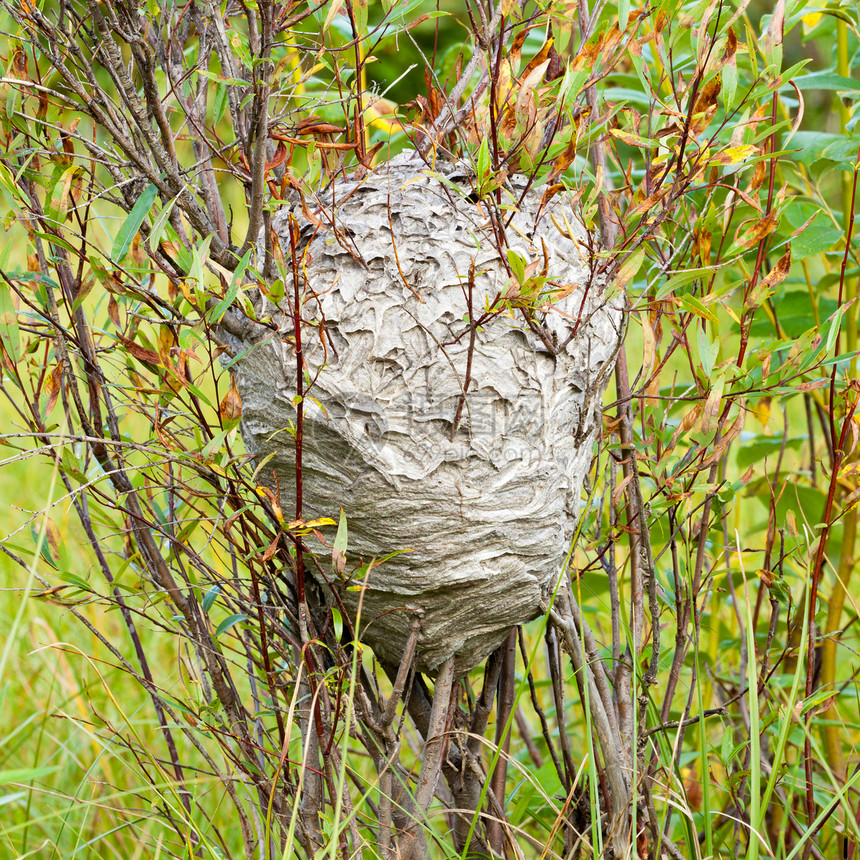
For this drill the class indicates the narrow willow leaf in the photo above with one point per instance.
(230, 621)
(159, 224)
(210, 597)
(132, 223)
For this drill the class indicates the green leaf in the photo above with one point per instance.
(812, 146)
(483, 167)
(816, 699)
(53, 239)
(842, 149)
(818, 237)
(756, 449)
(359, 10)
(692, 304)
(24, 774)
(72, 466)
(199, 257)
(132, 223)
(221, 308)
(835, 324)
(337, 620)
(220, 104)
(517, 264)
(74, 579)
(9, 333)
(159, 224)
(212, 76)
(707, 351)
(210, 597)
(680, 279)
(361, 572)
(230, 621)
(730, 84)
(824, 81)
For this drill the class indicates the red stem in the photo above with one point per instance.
(300, 406)
(838, 457)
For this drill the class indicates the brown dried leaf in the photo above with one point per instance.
(166, 342)
(280, 157)
(565, 159)
(230, 408)
(687, 423)
(703, 246)
(432, 94)
(182, 368)
(747, 236)
(271, 549)
(55, 385)
(517, 46)
(731, 434)
(692, 788)
(52, 536)
(759, 174)
(113, 311)
(538, 60)
(773, 36)
(708, 96)
(812, 386)
(610, 41)
(140, 352)
(649, 202)
(263, 490)
(338, 563)
(555, 69)
(775, 276)
(731, 46)
(766, 576)
(231, 520)
(618, 492)
(712, 406)
(549, 193)
(586, 58)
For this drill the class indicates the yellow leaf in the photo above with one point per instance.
(629, 267)
(649, 347)
(735, 155)
(630, 138)
(335, 8)
(761, 410)
(380, 113)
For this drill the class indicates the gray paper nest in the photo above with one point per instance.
(485, 517)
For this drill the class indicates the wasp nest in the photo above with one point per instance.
(452, 416)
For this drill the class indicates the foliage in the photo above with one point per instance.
(712, 710)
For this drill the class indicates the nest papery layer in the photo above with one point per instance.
(483, 511)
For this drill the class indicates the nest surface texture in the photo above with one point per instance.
(481, 507)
